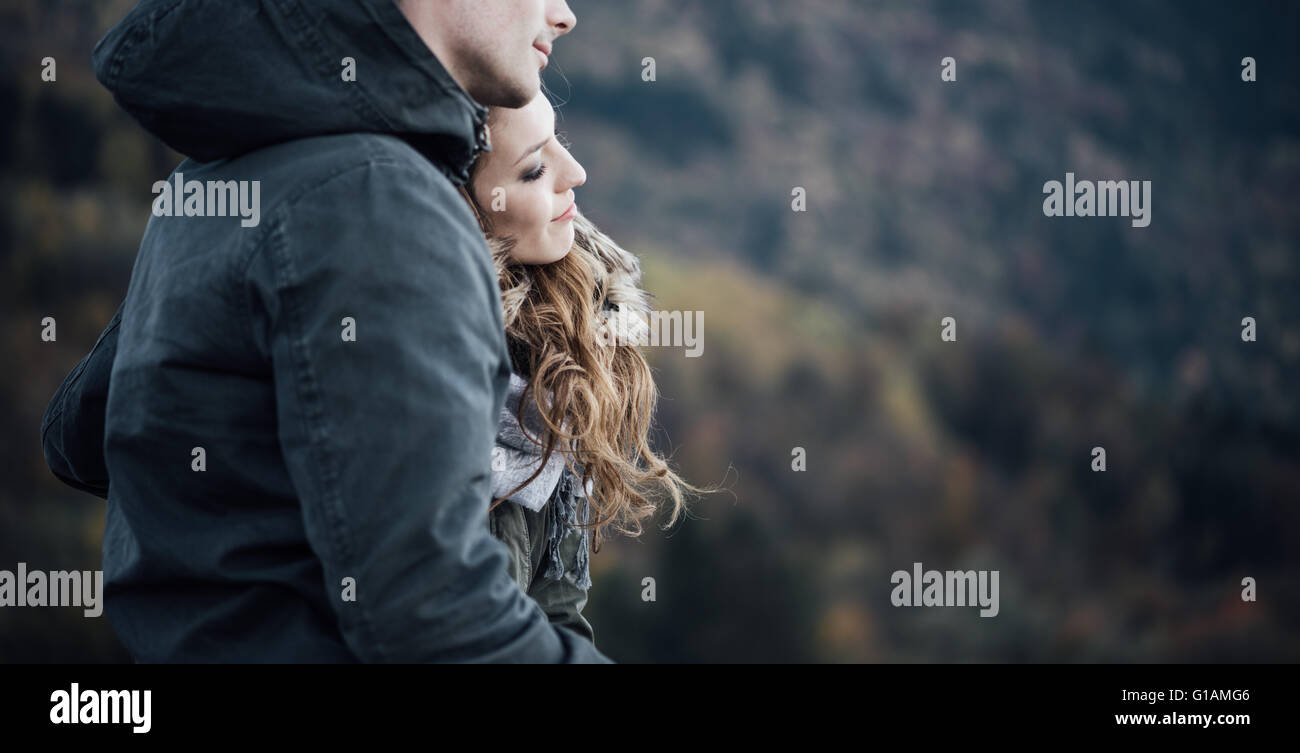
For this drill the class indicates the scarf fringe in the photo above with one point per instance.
(564, 511)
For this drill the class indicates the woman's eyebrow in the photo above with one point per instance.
(532, 149)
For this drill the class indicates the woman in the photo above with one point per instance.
(584, 449)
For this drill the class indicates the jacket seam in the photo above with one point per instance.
(528, 542)
(279, 213)
(137, 31)
(306, 385)
(314, 426)
(357, 98)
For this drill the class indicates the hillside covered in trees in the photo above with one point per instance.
(924, 200)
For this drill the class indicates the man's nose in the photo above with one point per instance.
(559, 17)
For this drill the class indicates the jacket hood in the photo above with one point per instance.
(214, 80)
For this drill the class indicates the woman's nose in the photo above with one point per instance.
(577, 175)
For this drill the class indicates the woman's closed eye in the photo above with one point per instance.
(533, 175)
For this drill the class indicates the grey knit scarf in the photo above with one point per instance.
(517, 458)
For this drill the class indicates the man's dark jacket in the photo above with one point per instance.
(281, 492)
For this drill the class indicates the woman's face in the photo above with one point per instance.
(525, 184)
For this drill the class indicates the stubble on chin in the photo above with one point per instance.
(496, 85)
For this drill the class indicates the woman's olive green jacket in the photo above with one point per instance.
(524, 534)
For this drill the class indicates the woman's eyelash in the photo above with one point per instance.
(535, 174)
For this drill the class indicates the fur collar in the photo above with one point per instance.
(617, 273)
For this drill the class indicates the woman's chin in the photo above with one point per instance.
(550, 248)
(563, 243)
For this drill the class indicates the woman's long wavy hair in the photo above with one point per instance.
(603, 394)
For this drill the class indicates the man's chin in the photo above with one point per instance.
(511, 92)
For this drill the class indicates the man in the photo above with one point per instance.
(301, 411)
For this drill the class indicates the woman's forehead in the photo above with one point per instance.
(525, 125)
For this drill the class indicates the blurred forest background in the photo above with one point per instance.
(821, 328)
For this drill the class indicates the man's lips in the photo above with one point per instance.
(568, 213)
(544, 51)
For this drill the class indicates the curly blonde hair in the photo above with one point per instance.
(601, 393)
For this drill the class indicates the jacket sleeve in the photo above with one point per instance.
(387, 432)
(563, 599)
(72, 429)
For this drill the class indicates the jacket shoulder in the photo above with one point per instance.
(375, 183)
(294, 167)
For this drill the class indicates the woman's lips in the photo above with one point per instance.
(568, 213)
(543, 54)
